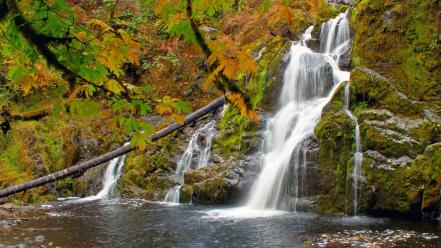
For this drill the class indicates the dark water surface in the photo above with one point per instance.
(137, 223)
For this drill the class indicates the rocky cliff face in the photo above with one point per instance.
(395, 93)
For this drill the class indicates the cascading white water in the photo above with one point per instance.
(111, 176)
(335, 34)
(173, 194)
(197, 150)
(194, 149)
(308, 85)
(113, 173)
(358, 156)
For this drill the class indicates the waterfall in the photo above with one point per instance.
(196, 155)
(111, 176)
(335, 34)
(358, 156)
(194, 149)
(173, 194)
(113, 173)
(309, 83)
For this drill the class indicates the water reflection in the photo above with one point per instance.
(138, 223)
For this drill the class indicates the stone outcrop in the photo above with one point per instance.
(395, 97)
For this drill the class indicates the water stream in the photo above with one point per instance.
(110, 179)
(309, 83)
(358, 156)
(196, 156)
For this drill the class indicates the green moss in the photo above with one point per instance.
(156, 186)
(336, 139)
(186, 193)
(233, 129)
(413, 189)
(193, 176)
(375, 91)
(211, 191)
(398, 40)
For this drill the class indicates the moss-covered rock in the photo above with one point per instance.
(335, 135)
(211, 191)
(186, 194)
(394, 89)
(400, 40)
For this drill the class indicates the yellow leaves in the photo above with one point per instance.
(140, 141)
(27, 83)
(112, 54)
(239, 102)
(133, 47)
(98, 23)
(116, 49)
(180, 119)
(164, 108)
(39, 78)
(173, 107)
(113, 86)
(81, 36)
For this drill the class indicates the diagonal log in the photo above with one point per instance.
(80, 167)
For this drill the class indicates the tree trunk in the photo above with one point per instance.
(81, 167)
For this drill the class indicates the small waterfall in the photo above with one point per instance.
(335, 34)
(113, 173)
(309, 83)
(358, 156)
(194, 149)
(111, 176)
(173, 194)
(196, 155)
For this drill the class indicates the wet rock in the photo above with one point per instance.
(313, 44)
(241, 176)
(257, 52)
(345, 59)
(382, 162)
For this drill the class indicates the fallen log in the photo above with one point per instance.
(80, 167)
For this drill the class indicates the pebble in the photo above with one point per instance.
(40, 238)
(369, 239)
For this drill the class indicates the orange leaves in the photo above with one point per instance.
(239, 102)
(39, 78)
(231, 63)
(211, 78)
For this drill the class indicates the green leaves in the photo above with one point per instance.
(182, 28)
(84, 108)
(183, 106)
(140, 140)
(113, 86)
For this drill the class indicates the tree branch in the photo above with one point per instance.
(197, 33)
(223, 83)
